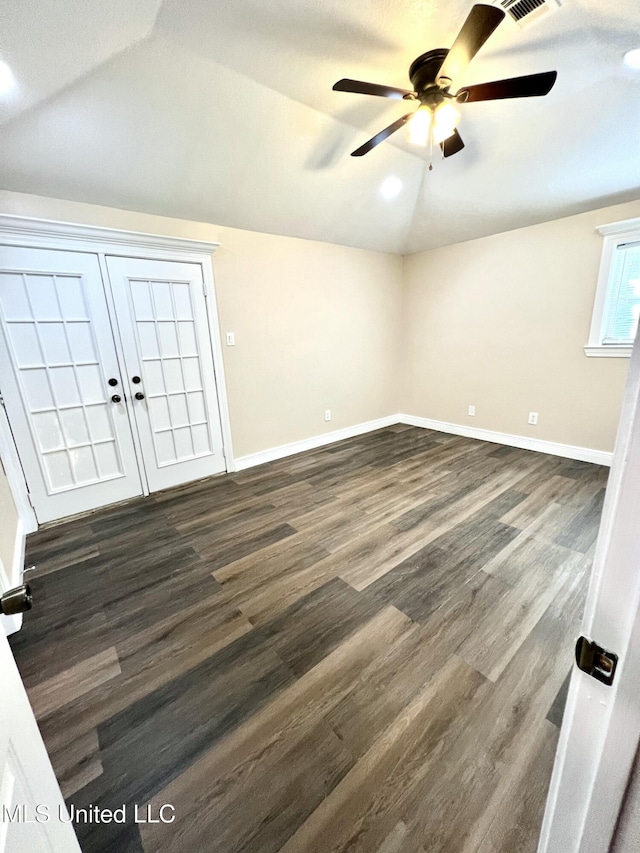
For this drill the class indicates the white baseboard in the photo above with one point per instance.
(569, 451)
(283, 450)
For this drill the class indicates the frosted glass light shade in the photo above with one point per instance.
(419, 126)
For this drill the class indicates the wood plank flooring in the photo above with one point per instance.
(361, 648)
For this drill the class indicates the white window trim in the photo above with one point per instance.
(614, 234)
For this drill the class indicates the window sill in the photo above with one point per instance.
(608, 352)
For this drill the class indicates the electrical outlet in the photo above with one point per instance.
(533, 418)
(231, 339)
(327, 414)
(472, 411)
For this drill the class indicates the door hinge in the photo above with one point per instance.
(2, 400)
(595, 661)
(204, 287)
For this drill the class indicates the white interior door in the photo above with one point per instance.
(56, 357)
(162, 318)
(31, 805)
(601, 725)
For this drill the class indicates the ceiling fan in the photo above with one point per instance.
(431, 76)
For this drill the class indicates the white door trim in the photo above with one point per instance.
(11, 576)
(48, 234)
(15, 475)
(218, 364)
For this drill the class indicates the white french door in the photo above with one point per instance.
(57, 356)
(109, 386)
(162, 319)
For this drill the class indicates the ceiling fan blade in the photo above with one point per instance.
(360, 88)
(380, 137)
(452, 144)
(481, 22)
(529, 86)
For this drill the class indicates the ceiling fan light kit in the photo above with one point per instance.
(441, 122)
(432, 74)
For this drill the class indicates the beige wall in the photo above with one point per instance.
(368, 334)
(500, 323)
(317, 326)
(8, 525)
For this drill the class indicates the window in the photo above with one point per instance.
(617, 304)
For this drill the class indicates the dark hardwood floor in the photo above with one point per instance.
(359, 648)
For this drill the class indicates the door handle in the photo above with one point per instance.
(116, 398)
(139, 395)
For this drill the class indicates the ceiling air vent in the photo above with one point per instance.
(525, 12)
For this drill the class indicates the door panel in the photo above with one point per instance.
(601, 724)
(162, 318)
(56, 355)
(33, 815)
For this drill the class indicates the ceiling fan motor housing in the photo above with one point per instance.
(423, 74)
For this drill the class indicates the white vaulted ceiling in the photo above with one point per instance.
(223, 111)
